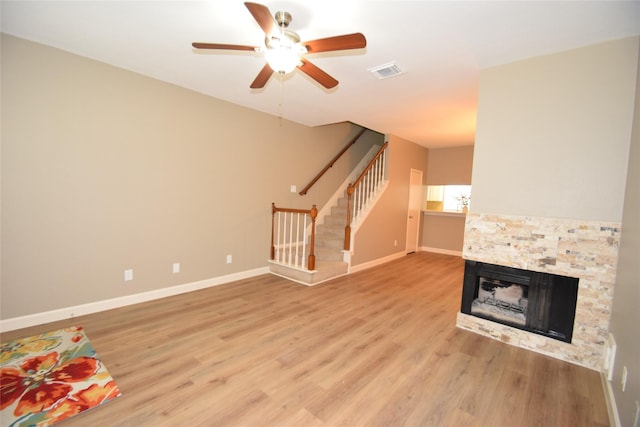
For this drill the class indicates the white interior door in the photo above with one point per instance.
(415, 202)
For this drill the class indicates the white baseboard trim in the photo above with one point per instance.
(94, 307)
(440, 251)
(375, 262)
(300, 282)
(612, 409)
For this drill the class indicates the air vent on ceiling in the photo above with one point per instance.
(386, 71)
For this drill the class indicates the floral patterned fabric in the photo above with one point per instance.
(49, 377)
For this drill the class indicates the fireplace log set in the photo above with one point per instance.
(504, 301)
(537, 302)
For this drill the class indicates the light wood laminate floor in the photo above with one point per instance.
(376, 348)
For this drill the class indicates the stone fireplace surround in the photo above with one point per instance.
(584, 249)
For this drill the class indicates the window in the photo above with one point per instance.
(448, 197)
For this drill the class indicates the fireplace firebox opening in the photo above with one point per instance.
(537, 302)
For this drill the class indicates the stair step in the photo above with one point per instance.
(339, 211)
(328, 254)
(335, 231)
(327, 241)
(336, 221)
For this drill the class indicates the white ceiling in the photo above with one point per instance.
(441, 45)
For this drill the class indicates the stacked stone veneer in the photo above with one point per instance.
(587, 250)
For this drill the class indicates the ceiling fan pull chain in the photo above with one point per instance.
(281, 97)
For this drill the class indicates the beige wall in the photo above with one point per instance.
(105, 170)
(442, 233)
(447, 166)
(625, 316)
(387, 224)
(553, 134)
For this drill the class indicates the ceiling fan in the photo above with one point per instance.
(283, 49)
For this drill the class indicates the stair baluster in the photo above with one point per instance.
(290, 236)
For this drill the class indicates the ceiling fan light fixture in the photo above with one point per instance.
(283, 51)
(282, 59)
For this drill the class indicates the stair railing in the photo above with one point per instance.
(331, 163)
(362, 190)
(290, 240)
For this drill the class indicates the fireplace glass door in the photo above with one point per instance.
(538, 302)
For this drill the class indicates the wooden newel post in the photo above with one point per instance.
(347, 228)
(273, 215)
(312, 257)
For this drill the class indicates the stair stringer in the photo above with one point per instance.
(357, 222)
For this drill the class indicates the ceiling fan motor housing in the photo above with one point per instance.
(283, 18)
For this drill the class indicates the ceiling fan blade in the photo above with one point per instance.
(347, 41)
(222, 46)
(263, 17)
(317, 74)
(262, 78)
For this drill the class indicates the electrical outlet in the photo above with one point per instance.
(229, 259)
(294, 189)
(624, 378)
(395, 243)
(128, 275)
(176, 267)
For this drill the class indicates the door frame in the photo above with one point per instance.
(413, 208)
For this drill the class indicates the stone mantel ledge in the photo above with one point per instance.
(584, 249)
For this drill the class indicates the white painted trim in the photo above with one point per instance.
(375, 262)
(94, 307)
(415, 199)
(612, 409)
(300, 282)
(440, 251)
(291, 266)
(610, 348)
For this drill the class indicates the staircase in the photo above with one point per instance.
(290, 245)
(330, 240)
(329, 245)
